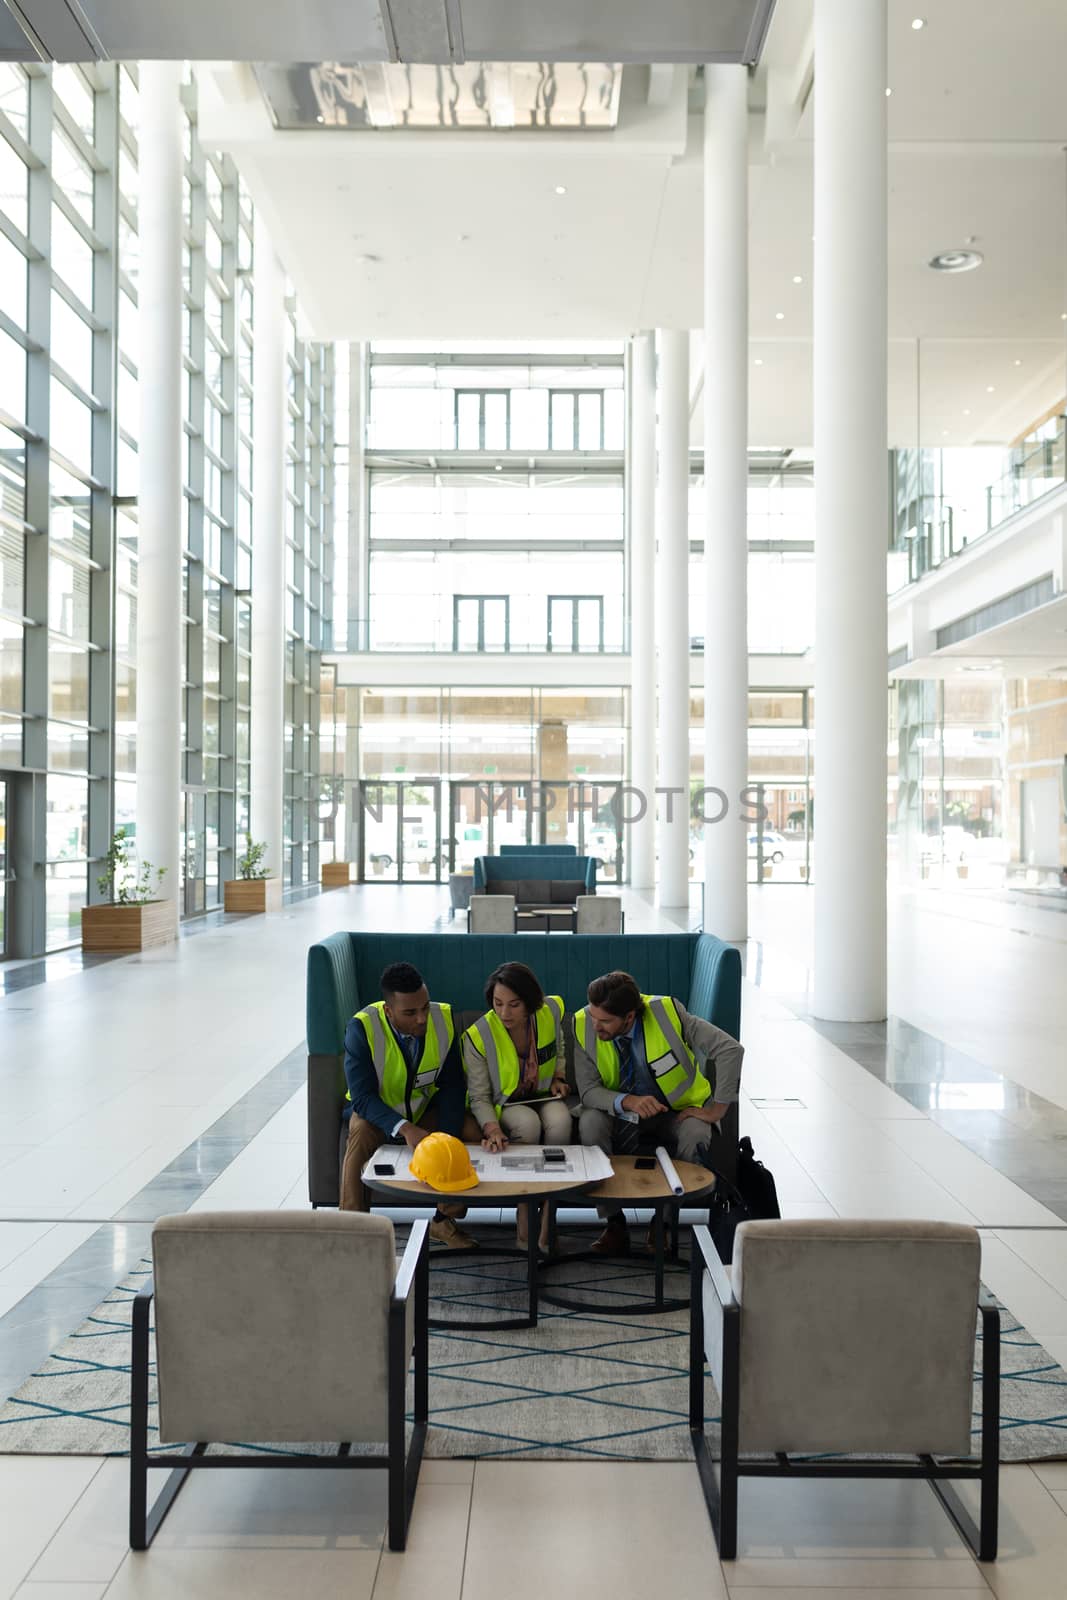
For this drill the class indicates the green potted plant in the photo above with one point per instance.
(254, 890)
(133, 914)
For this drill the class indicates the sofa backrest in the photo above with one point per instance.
(344, 971)
(495, 869)
(539, 891)
(537, 850)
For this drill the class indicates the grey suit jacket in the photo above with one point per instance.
(716, 1052)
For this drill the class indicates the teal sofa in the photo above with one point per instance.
(538, 850)
(344, 970)
(527, 877)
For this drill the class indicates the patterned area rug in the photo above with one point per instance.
(583, 1384)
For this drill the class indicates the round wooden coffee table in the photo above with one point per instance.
(637, 1187)
(487, 1195)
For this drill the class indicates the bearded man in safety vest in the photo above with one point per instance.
(648, 1074)
(405, 1080)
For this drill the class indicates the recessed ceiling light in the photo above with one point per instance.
(944, 433)
(320, 117)
(797, 278)
(956, 261)
(989, 389)
(966, 413)
(918, 23)
(498, 467)
(779, 316)
(759, 361)
(1018, 363)
(888, 93)
(561, 188)
(1063, 316)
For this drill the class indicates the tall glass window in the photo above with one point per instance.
(69, 426)
(309, 523)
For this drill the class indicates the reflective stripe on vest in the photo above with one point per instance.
(390, 1063)
(492, 1040)
(669, 1058)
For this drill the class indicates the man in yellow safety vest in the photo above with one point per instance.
(405, 1080)
(648, 1074)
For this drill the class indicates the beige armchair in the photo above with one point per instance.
(832, 1336)
(491, 913)
(599, 913)
(280, 1327)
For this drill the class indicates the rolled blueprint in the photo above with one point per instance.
(674, 1183)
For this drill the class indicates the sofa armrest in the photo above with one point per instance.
(332, 992)
(324, 1111)
(707, 1260)
(715, 984)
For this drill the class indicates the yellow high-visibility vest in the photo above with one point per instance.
(390, 1064)
(670, 1060)
(491, 1039)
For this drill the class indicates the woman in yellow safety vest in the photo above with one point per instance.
(514, 1058)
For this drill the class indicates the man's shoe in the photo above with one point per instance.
(444, 1231)
(614, 1241)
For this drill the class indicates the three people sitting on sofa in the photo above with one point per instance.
(646, 1073)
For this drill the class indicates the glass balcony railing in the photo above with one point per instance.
(486, 630)
(946, 500)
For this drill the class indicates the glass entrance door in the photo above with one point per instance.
(601, 828)
(399, 832)
(420, 832)
(482, 817)
(5, 868)
(194, 853)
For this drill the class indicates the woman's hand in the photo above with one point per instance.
(493, 1137)
(560, 1088)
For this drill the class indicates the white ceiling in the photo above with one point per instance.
(425, 236)
(1030, 646)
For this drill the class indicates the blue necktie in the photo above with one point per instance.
(624, 1045)
(411, 1049)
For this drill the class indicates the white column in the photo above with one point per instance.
(725, 499)
(851, 500)
(640, 833)
(159, 536)
(269, 413)
(672, 614)
(358, 519)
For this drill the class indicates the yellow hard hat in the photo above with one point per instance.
(442, 1161)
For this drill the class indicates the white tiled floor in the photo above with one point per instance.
(111, 1074)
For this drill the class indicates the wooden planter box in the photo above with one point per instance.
(336, 874)
(129, 927)
(252, 894)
